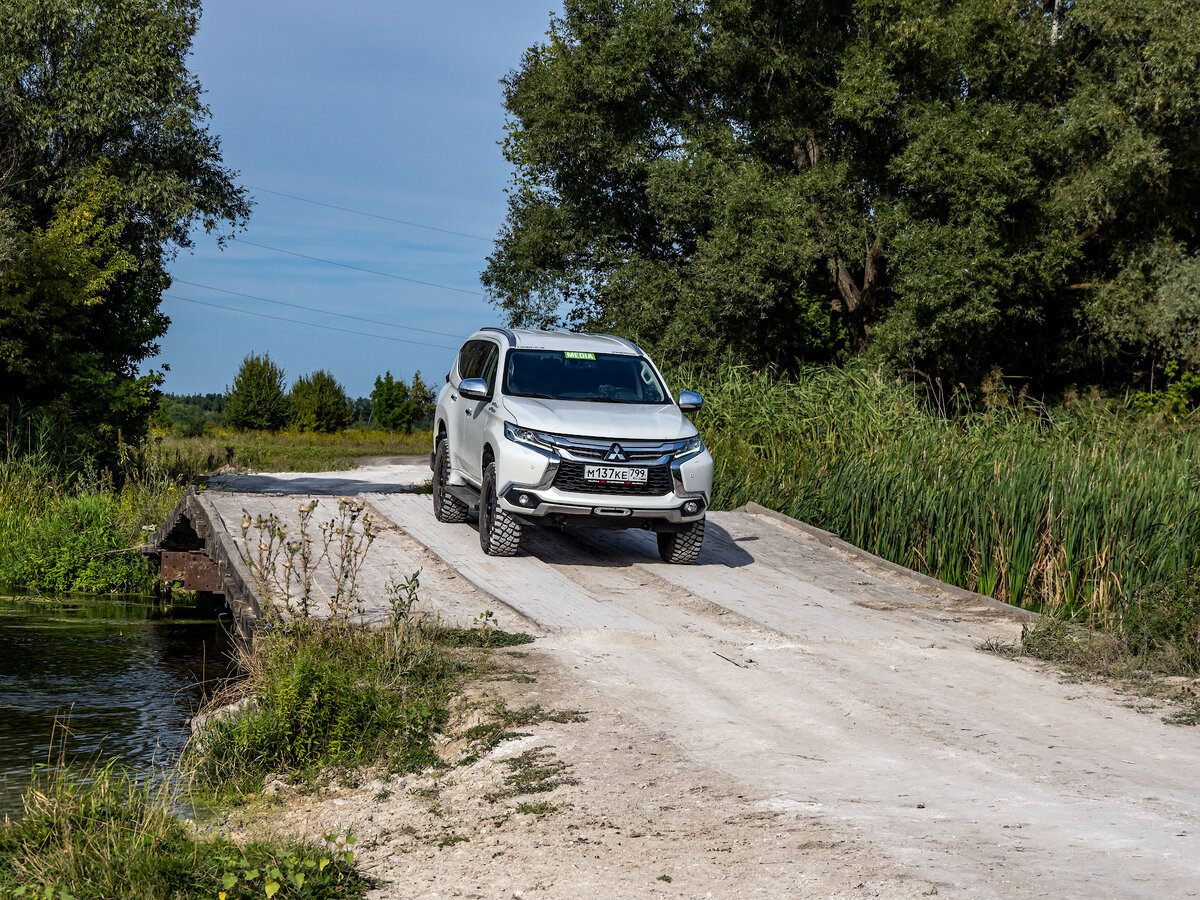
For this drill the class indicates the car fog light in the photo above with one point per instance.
(691, 507)
(523, 499)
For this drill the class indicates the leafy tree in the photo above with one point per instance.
(952, 186)
(424, 399)
(319, 403)
(256, 400)
(391, 404)
(362, 409)
(105, 166)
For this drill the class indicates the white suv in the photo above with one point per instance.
(567, 429)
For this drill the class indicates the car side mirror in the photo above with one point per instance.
(690, 401)
(474, 389)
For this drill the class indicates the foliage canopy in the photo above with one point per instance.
(953, 186)
(106, 164)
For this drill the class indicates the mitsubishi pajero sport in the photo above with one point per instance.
(568, 429)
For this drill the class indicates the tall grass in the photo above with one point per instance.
(64, 530)
(1068, 510)
(110, 836)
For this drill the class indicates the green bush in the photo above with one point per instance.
(331, 693)
(319, 403)
(256, 400)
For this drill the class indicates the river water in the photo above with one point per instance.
(124, 675)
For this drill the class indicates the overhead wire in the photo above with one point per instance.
(359, 212)
(382, 337)
(316, 309)
(331, 262)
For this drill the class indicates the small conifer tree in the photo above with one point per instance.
(257, 400)
(391, 404)
(319, 403)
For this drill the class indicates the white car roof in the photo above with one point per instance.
(528, 339)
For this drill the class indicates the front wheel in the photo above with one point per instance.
(681, 547)
(499, 533)
(446, 507)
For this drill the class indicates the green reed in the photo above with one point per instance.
(1070, 510)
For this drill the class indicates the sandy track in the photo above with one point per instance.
(778, 720)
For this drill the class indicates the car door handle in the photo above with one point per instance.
(454, 397)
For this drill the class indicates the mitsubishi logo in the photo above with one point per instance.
(616, 453)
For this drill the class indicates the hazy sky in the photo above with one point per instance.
(389, 108)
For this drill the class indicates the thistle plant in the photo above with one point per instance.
(286, 566)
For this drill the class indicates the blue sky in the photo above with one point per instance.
(386, 108)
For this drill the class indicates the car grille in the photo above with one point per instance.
(570, 478)
(639, 452)
(632, 454)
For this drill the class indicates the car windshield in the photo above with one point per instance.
(575, 375)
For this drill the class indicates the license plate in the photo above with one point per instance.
(623, 474)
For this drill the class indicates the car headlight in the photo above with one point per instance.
(528, 436)
(690, 447)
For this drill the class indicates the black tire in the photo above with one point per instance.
(499, 533)
(446, 507)
(681, 547)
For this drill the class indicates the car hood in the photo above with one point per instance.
(588, 418)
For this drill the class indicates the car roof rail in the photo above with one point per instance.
(630, 344)
(512, 338)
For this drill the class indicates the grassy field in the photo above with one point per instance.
(72, 528)
(285, 451)
(1086, 510)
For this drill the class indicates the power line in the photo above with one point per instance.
(359, 212)
(316, 309)
(382, 337)
(444, 287)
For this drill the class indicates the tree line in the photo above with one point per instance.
(259, 399)
(948, 187)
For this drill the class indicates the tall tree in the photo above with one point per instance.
(953, 185)
(106, 164)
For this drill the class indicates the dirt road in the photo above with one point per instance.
(779, 720)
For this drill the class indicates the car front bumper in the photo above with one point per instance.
(533, 495)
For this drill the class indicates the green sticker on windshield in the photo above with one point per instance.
(575, 354)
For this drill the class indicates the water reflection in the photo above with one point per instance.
(128, 674)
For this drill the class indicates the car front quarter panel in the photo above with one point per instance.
(695, 475)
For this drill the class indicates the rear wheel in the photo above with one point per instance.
(681, 546)
(499, 533)
(446, 507)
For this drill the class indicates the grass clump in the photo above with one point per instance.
(331, 694)
(486, 736)
(1153, 648)
(535, 771)
(109, 836)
